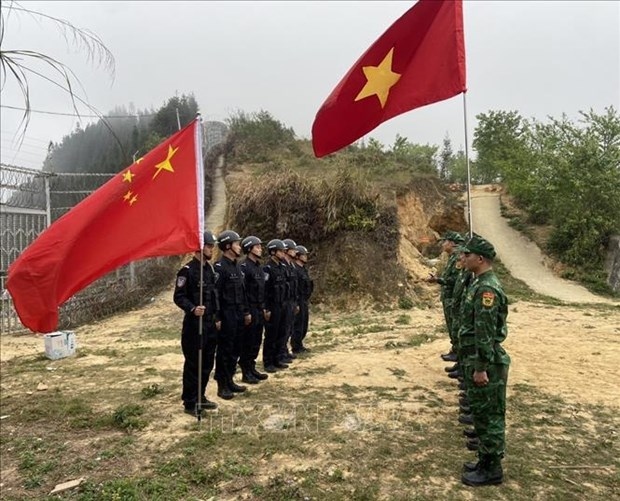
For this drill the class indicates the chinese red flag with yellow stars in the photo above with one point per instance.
(154, 207)
(419, 60)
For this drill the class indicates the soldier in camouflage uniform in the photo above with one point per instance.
(485, 363)
(463, 281)
(449, 242)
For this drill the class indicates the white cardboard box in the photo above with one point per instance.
(60, 344)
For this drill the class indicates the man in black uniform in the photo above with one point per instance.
(275, 296)
(254, 278)
(292, 300)
(187, 297)
(234, 313)
(305, 287)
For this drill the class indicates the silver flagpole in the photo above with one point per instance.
(469, 216)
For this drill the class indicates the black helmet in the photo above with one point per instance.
(275, 245)
(290, 244)
(301, 249)
(227, 237)
(209, 237)
(248, 242)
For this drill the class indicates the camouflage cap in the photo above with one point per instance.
(480, 246)
(453, 236)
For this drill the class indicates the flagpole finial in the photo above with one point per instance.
(199, 117)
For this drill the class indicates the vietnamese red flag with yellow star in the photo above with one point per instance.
(154, 207)
(419, 60)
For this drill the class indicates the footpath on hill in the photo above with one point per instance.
(519, 254)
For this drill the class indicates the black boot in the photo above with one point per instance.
(470, 433)
(488, 472)
(465, 409)
(473, 444)
(236, 388)
(470, 466)
(453, 368)
(207, 404)
(223, 391)
(466, 419)
(463, 401)
(455, 374)
(462, 385)
(261, 376)
(271, 369)
(449, 357)
(248, 377)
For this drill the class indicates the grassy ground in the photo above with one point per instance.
(367, 415)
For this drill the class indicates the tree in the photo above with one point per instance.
(446, 158)
(500, 141)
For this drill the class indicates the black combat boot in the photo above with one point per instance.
(261, 376)
(455, 374)
(465, 409)
(206, 404)
(463, 401)
(223, 391)
(248, 376)
(453, 368)
(470, 433)
(488, 472)
(449, 357)
(473, 444)
(466, 419)
(470, 466)
(462, 385)
(271, 369)
(236, 388)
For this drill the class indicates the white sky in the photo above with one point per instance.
(539, 58)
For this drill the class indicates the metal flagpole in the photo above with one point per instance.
(200, 334)
(469, 214)
(200, 303)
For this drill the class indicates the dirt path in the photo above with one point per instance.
(217, 211)
(520, 255)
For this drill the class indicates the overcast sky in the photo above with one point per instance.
(539, 58)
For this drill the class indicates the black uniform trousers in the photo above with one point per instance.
(190, 344)
(287, 330)
(274, 330)
(300, 327)
(252, 339)
(229, 344)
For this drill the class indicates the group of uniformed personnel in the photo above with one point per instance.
(239, 301)
(475, 309)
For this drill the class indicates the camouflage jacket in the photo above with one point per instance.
(463, 280)
(448, 277)
(483, 322)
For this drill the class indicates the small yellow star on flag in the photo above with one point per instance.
(128, 195)
(166, 165)
(128, 176)
(379, 80)
(133, 200)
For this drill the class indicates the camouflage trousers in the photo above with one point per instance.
(488, 408)
(447, 313)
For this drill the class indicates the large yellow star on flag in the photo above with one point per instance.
(166, 165)
(379, 79)
(128, 176)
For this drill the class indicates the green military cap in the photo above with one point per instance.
(453, 236)
(480, 246)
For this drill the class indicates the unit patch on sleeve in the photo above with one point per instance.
(488, 298)
(181, 281)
